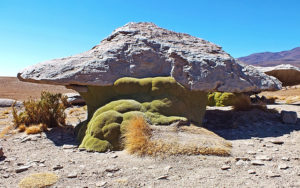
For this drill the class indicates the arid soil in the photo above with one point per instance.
(12, 88)
(265, 153)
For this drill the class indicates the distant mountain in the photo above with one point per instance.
(273, 58)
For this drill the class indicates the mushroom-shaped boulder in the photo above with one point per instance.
(146, 70)
(288, 74)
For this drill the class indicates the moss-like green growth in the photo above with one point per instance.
(222, 99)
(160, 100)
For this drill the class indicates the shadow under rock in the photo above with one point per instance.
(235, 125)
(62, 136)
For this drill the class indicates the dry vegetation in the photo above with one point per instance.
(38, 180)
(48, 111)
(138, 141)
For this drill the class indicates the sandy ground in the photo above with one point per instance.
(252, 139)
(265, 153)
(12, 88)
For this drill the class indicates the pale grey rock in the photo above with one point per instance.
(145, 50)
(257, 162)
(289, 117)
(68, 146)
(242, 158)
(251, 152)
(163, 177)
(112, 169)
(74, 98)
(72, 175)
(22, 169)
(272, 174)
(101, 184)
(9, 102)
(251, 171)
(283, 166)
(263, 158)
(57, 167)
(225, 167)
(278, 142)
(288, 74)
(285, 158)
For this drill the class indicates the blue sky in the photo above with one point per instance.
(32, 31)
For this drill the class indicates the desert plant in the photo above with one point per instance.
(49, 110)
(242, 103)
(34, 129)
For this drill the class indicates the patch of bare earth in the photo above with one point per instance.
(265, 153)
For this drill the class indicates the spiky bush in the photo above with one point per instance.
(49, 110)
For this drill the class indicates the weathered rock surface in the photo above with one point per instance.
(1, 152)
(74, 98)
(143, 50)
(289, 117)
(9, 102)
(288, 74)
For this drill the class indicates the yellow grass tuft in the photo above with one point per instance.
(35, 129)
(21, 128)
(38, 180)
(137, 140)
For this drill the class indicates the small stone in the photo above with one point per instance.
(114, 156)
(279, 142)
(251, 171)
(72, 175)
(164, 177)
(42, 165)
(225, 167)
(268, 145)
(150, 167)
(263, 158)
(6, 175)
(240, 163)
(289, 117)
(68, 146)
(112, 169)
(20, 164)
(250, 144)
(257, 162)
(81, 149)
(1, 152)
(272, 174)
(242, 158)
(260, 150)
(57, 167)
(167, 168)
(251, 152)
(285, 159)
(283, 166)
(22, 169)
(101, 184)
(109, 175)
(275, 149)
(25, 139)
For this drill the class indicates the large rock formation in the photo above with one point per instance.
(288, 74)
(142, 50)
(168, 75)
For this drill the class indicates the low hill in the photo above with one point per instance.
(273, 58)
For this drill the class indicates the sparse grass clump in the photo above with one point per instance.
(137, 140)
(38, 180)
(48, 111)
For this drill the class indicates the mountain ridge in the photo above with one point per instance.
(273, 58)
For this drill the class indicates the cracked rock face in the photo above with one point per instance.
(143, 50)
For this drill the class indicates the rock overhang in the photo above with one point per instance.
(142, 50)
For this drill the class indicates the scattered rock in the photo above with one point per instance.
(251, 172)
(164, 177)
(150, 167)
(288, 117)
(101, 184)
(42, 165)
(67, 146)
(57, 167)
(72, 175)
(1, 152)
(283, 166)
(272, 174)
(251, 152)
(22, 169)
(285, 158)
(9, 102)
(114, 156)
(167, 168)
(242, 158)
(20, 164)
(25, 139)
(74, 99)
(263, 158)
(257, 162)
(5, 175)
(112, 169)
(275, 149)
(279, 142)
(240, 163)
(225, 167)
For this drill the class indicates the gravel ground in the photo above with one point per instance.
(265, 153)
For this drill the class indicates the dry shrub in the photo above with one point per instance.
(35, 129)
(137, 139)
(49, 110)
(38, 180)
(242, 103)
(21, 128)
